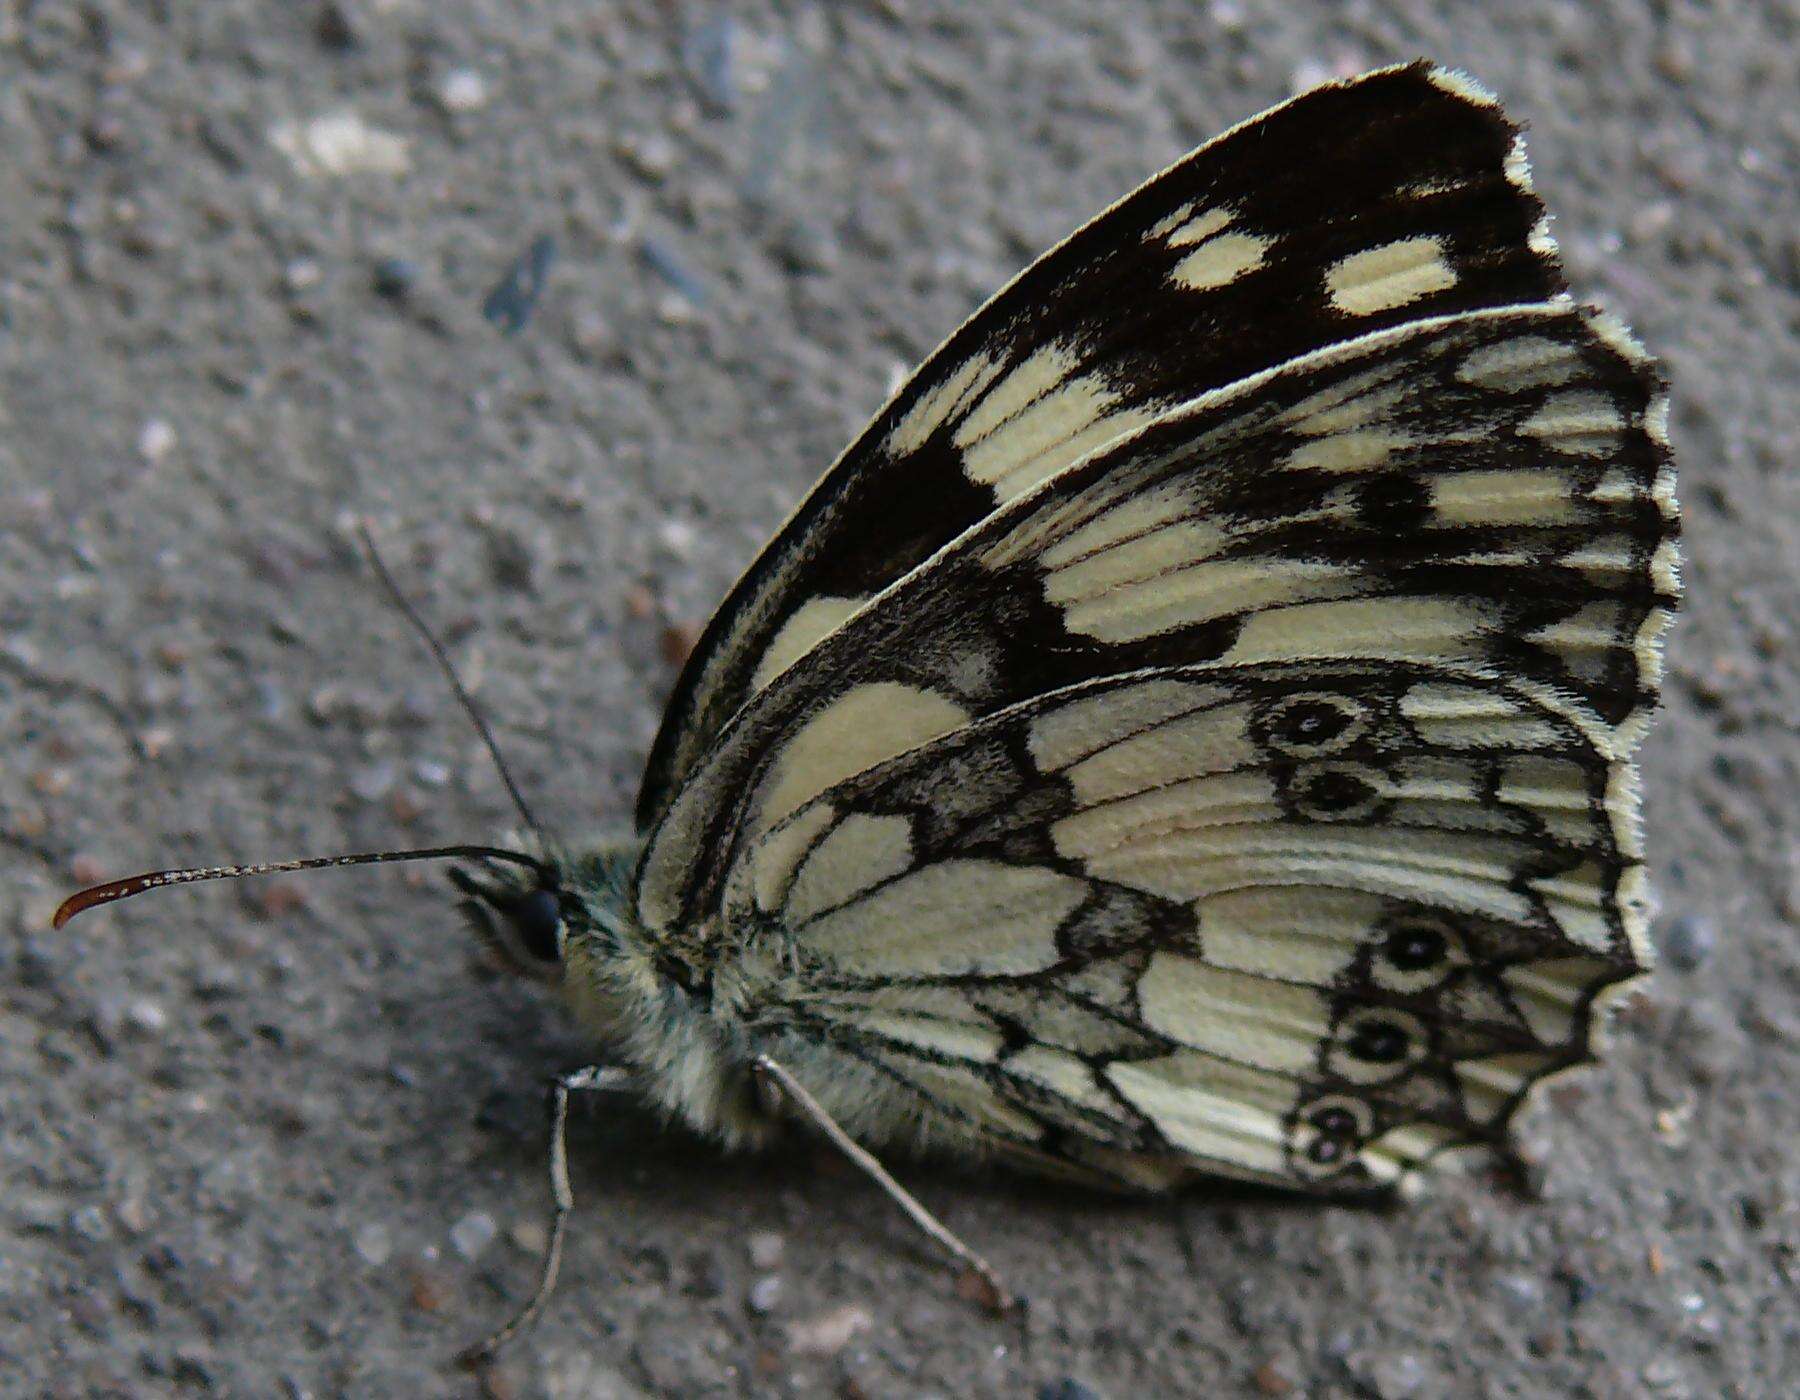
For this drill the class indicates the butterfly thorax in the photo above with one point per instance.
(654, 1002)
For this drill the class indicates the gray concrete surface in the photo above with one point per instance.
(284, 1138)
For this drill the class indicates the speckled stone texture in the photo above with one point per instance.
(285, 1137)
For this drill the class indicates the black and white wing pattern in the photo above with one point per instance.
(1243, 786)
(1489, 490)
(1311, 923)
(1397, 195)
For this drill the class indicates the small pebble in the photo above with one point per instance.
(669, 265)
(462, 90)
(511, 562)
(764, 1294)
(373, 781)
(766, 1248)
(115, 1015)
(279, 898)
(473, 1234)
(652, 156)
(90, 1223)
(104, 133)
(430, 1290)
(191, 1372)
(394, 278)
(1688, 941)
(373, 1244)
(530, 1236)
(675, 309)
(1270, 1379)
(34, 963)
(676, 535)
(678, 641)
(334, 28)
(301, 275)
(1391, 1377)
(510, 304)
(805, 248)
(134, 1214)
(431, 773)
(828, 1333)
(340, 143)
(156, 439)
(708, 51)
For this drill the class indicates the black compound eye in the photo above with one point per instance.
(537, 921)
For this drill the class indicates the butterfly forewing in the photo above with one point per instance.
(1487, 489)
(1393, 196)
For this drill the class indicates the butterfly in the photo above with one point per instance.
(1190, 731)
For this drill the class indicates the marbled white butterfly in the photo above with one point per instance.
(1190, 730)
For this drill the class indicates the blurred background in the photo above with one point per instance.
(266, 267)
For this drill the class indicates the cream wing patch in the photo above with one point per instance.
(810, 623)
(856, 731)
(958, 918)
(861, 852)
(1249, 1020)
(1037, 419)
(1380, 279)
(1220, 261)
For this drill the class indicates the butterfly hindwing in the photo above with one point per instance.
(1488, 490)
(1305, 924)
(1243, 255)
(1309, 923)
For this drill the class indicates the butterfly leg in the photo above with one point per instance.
(591, 1079)
(996, 1294)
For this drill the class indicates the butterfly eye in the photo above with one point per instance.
(523, 927)
(537, 923)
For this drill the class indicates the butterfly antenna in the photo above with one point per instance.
(156, 879)
(411, 614)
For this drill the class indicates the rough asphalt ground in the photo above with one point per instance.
(285, 1137)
